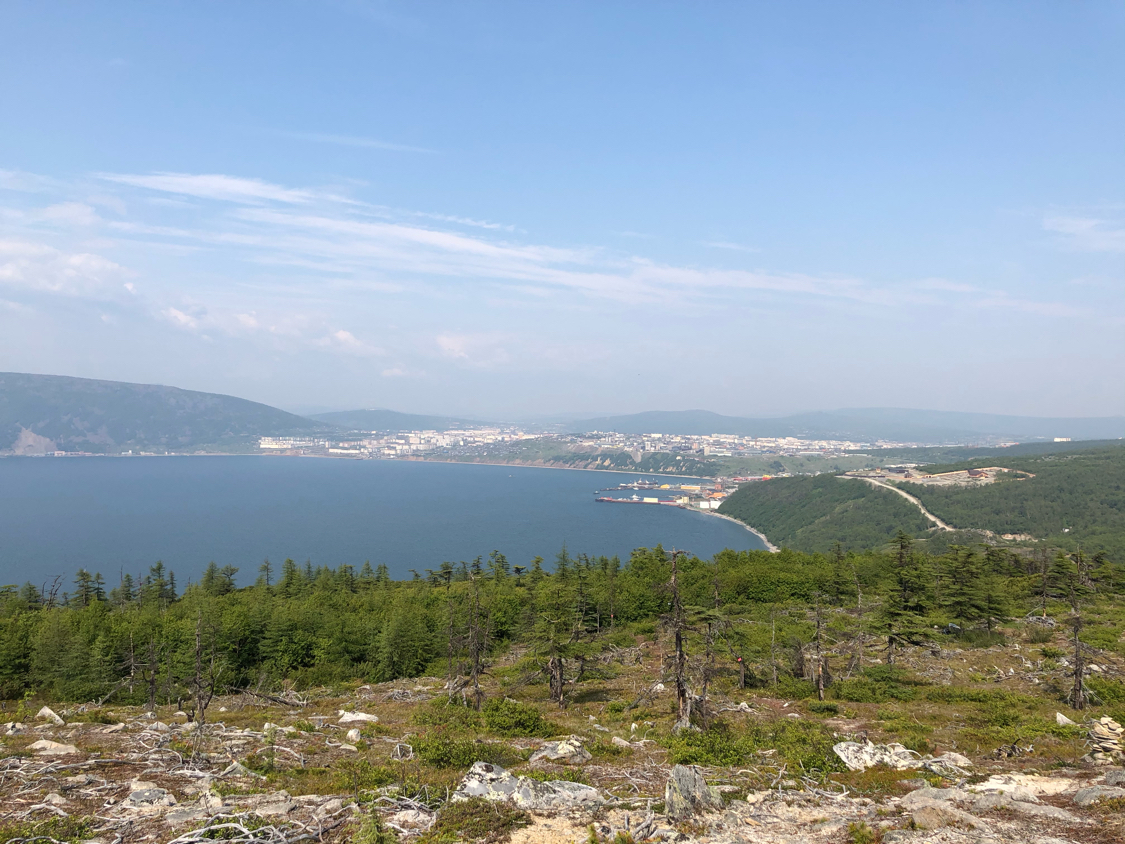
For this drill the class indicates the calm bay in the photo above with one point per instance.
(117, 515)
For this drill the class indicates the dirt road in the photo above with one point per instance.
(937, 522)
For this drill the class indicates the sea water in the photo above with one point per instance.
(121, 514)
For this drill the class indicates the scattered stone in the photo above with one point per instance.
(620, 742)
(1020, 783)
(1092, 794)
(158, 727)
(860, 757)
(48, 714)
(150, 797)
(494, 783)
(1107, 740)
(14, 728)
(55, 799)
(350, 747)
(47, 747)
(935, 817)
(353, 736)
(115, 728)
(186, 815)
(687, 794)
(1115, 778)
(266, 727)
(237, 769)
(411, 819)
(569, 751)
(1063, 721)
(355, 717)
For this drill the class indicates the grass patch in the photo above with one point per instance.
(879, 684)
(801, 744)
(61, 829)
(566, 775)
(476, 820)
(452, 715)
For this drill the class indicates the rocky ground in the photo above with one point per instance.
(324, 767)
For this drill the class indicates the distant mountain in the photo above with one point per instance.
(865, 425)
(41, 413)
(390, 420)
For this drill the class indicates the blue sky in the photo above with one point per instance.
(510, 209)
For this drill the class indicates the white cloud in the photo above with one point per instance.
(69, 213)
(37, 266)
(213, 186)
(178, 317)
(1087, 234)
(735, 247)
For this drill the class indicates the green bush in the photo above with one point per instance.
(824, 708)
(475, 819)
(442, 712)
(513, 719)
(879, 684)
(355, 775)
(1109, 692)
(801, 744)
(444, 751)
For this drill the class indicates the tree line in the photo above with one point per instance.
(752, 617)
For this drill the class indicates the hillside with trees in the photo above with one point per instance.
(40, 413)
(1075, 499)
(815, 513)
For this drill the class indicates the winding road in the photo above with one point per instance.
(937, 522)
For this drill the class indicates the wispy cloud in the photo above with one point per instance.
(212, 186)
(1088, 234)
(353, 141)
(734, 247)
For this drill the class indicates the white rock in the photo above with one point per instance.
(48, 714)
(52, 748)
(494, 783)
(860, 757)
(1063, 721)
(14, 728)
(355, 717)
(411, 819)
(114, 728)
(350, 747)
(569, 751)
(620, 742)
(353, 736)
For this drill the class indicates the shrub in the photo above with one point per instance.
(356, 775)
(476, 819)
(444, 751)
(373, 831)
(824, 708)
(879, 684)
(799, 743)
(442, 712)
(512, 719)
(1109, 692)
(1039, 635)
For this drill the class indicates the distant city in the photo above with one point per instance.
(480, 441)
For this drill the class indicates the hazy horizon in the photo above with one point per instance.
(508, 211)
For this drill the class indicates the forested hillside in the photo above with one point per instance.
(1076, 499)
(814, 513)
(41, 413)
(322, 626)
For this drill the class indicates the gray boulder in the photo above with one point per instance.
(150, 797)
(569, 751)
(1092, 794)
(1115, 778)
(688, 794)
(494, 783)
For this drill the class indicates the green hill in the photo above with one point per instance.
(814, 513)
(1077, 498)
(41, 413)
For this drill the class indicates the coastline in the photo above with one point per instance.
(773, 549)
